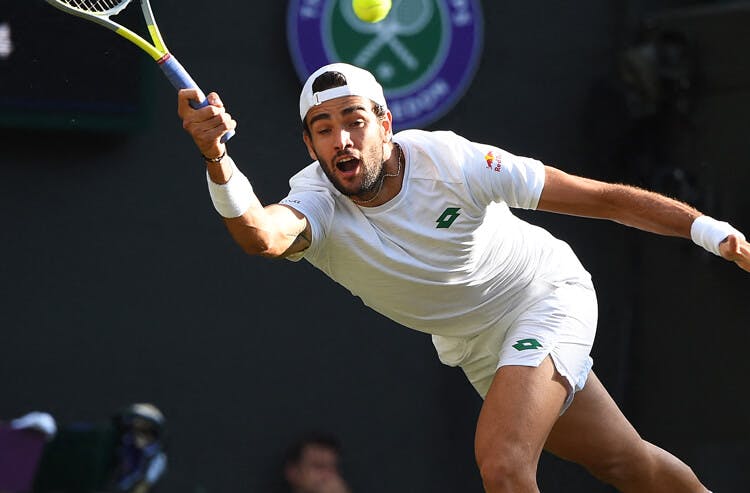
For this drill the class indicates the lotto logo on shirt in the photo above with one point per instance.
(448, 217)
(493, 162)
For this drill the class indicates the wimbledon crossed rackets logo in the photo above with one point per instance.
(424, 53)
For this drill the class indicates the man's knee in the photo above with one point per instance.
(507, 472)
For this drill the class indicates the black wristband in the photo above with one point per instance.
(214, 159)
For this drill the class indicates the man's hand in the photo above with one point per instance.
(205, 125)
(736, 250)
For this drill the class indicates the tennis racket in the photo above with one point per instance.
(100, 11)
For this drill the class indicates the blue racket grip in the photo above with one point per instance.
(180, 79)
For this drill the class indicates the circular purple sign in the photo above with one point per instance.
(424, 53)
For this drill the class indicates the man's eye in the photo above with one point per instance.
(357, 123)
(324, 131)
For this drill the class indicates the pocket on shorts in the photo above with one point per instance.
(451, 351)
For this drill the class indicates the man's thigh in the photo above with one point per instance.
(593, 429)
(519, 410)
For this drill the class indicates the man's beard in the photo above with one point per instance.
(373, 173)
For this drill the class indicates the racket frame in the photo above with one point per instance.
(157, 50)
(174, 71)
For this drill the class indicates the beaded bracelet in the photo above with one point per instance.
(214, 159)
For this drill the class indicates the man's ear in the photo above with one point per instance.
(387, 126)
(308, 142)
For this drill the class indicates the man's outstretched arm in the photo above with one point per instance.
(642, 209)
(271, 231)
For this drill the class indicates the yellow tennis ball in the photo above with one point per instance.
(371, 10)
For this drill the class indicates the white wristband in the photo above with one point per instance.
(234, 197)
(709, 233)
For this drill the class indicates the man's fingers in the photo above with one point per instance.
(743, 262)
(743, 259)
(184, 96)
(204, 119)
(205, 125)
(736, 250)
(207, 114)
(206, 133)
(214, 100)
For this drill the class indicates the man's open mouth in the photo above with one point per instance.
(348, 165)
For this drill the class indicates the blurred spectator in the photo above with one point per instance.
(122, 455)
(22, 441)
(312, 465)
(140, 455)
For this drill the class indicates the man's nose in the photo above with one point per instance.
(345, 140)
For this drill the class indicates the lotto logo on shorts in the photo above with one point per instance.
(526, 344)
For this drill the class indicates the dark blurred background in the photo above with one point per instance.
(119, 284)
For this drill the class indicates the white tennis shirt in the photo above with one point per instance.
(445, 256)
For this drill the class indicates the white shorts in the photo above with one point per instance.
(562, 324)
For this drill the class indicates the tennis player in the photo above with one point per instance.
(418, 225)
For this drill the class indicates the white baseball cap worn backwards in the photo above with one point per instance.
(359, 82)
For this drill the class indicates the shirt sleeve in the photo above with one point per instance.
(316, 203)
(496, 175)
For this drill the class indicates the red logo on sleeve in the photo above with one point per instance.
(493, 162)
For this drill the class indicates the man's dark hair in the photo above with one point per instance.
(329, 80)
(294, 452)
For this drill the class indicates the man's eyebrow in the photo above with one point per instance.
(351, 109)
(319, 116)
(346, 111)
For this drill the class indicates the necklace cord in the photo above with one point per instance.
(385, 175)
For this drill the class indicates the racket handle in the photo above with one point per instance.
(180, 79)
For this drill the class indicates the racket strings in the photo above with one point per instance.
(96, 6)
